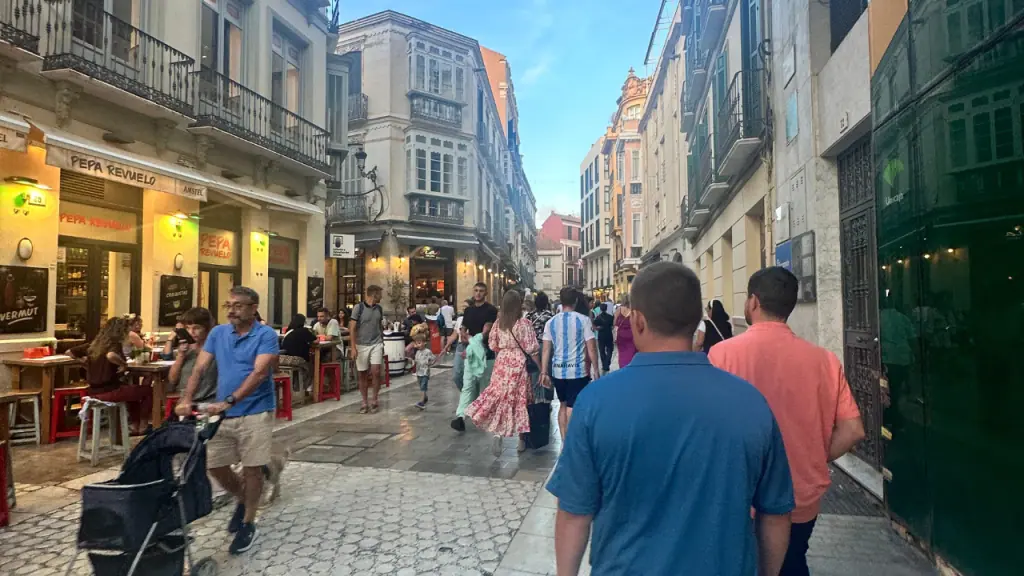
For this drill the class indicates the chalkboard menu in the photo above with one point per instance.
(175, 298)
(314, 296)
(23, 292)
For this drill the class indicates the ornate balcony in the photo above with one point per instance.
(343, 209)
(741, 123)
(358, 105)
(437, 211)
(21, 23)
(261, 125)
(85, 44)
(698, 62)
(435, 110)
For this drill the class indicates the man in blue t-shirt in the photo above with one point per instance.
(246, 353)
(667, 456)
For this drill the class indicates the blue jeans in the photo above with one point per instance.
(458, 368)
(423, 380)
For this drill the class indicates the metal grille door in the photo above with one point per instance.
(858, 244)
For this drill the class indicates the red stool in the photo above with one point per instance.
(335, 391)
(386, 367)
(283, 393)
(61, 403)
(169, 406)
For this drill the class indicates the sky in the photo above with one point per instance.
(569, 59)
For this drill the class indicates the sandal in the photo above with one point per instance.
(363, 409)
(374, 408)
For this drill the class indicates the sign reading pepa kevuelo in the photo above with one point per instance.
(123, 173)
(23, 292)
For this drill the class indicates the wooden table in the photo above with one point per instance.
(48, 366)
(156, 374)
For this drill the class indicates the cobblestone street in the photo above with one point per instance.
(400, 493)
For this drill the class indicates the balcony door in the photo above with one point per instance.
(105, 32)
(221, 49)
(285, 85)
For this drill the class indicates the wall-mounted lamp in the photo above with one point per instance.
(402, 258)
(373, 258)
(181, 216)
(480, 266)
(490, 271)
(465, 261)
(26, 182)
(25, 248)
(270, 233)
(950, 250)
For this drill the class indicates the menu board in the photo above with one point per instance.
(176, 296)
(314, 296)
(23, 292)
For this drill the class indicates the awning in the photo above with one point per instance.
(454, 242)
(70, 152)
(368, 237)
(12, 133)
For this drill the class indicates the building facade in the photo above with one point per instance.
(664, 150)
(566, 232)
(596, 221)
(151, 159)
(447, 186)
(551, 268)
(623, 150)
(725, 104)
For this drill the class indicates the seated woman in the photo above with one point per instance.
(134, 340)
(198, 322)
(105, 361)
(296, 347)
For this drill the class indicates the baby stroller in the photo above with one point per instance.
(138, 522)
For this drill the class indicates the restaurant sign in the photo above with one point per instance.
(95, 223)
(123, 173)
(23, 292)
(283, 254)
(176, 296)
(217, 247)
(12, 140)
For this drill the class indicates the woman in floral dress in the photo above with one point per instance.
(501, 407)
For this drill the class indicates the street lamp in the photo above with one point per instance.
(361, 165)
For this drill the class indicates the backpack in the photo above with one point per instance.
(440, 321)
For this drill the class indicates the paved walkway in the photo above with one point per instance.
(400, 493)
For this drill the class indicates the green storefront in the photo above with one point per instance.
(948, 102)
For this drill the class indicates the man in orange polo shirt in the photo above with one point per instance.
(806, 390)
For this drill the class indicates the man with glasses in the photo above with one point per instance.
(246, 354)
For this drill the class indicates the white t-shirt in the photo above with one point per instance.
(332, 329)
(568, 333)
(702, 327)
(448, 312)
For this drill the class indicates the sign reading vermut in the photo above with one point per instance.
(217, 247)
(123, 173)
(84, 221)
(12, 140)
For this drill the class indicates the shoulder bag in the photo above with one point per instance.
(531, 365)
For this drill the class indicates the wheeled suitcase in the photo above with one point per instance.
(540, 425)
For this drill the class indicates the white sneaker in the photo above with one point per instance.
(496, 446)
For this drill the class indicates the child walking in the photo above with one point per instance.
(424, 359)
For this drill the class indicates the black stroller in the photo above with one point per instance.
(138, 522)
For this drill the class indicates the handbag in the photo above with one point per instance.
(531, 366)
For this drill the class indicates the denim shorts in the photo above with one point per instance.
(423, 380)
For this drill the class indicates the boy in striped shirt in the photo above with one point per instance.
(568, 342)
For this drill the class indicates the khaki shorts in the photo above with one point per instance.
(246, 439)
(369, 355)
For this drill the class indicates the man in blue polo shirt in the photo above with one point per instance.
(667, 456)
(246, 353)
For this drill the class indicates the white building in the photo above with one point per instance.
(165, 143)
(596, 221)
(665, 148)
(551, 266)
(425, 114)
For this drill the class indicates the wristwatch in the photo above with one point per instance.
(230, 400)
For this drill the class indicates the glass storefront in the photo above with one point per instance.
(949, 173)
(432, 272)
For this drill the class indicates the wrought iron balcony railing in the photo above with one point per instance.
(705, 166)
(741, 116)
(95, 43)
(346, 209)
(698, 60)
(227, 105)
(358, 105)
(21, 23)
(434, 110)
(437, 211)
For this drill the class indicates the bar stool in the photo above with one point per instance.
(283, 394)
(63, 399)
(22, 433)
(116, 414)
(335, 391)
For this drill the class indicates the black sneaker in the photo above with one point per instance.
(236, 519)
(458, 424)
(245, 538)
